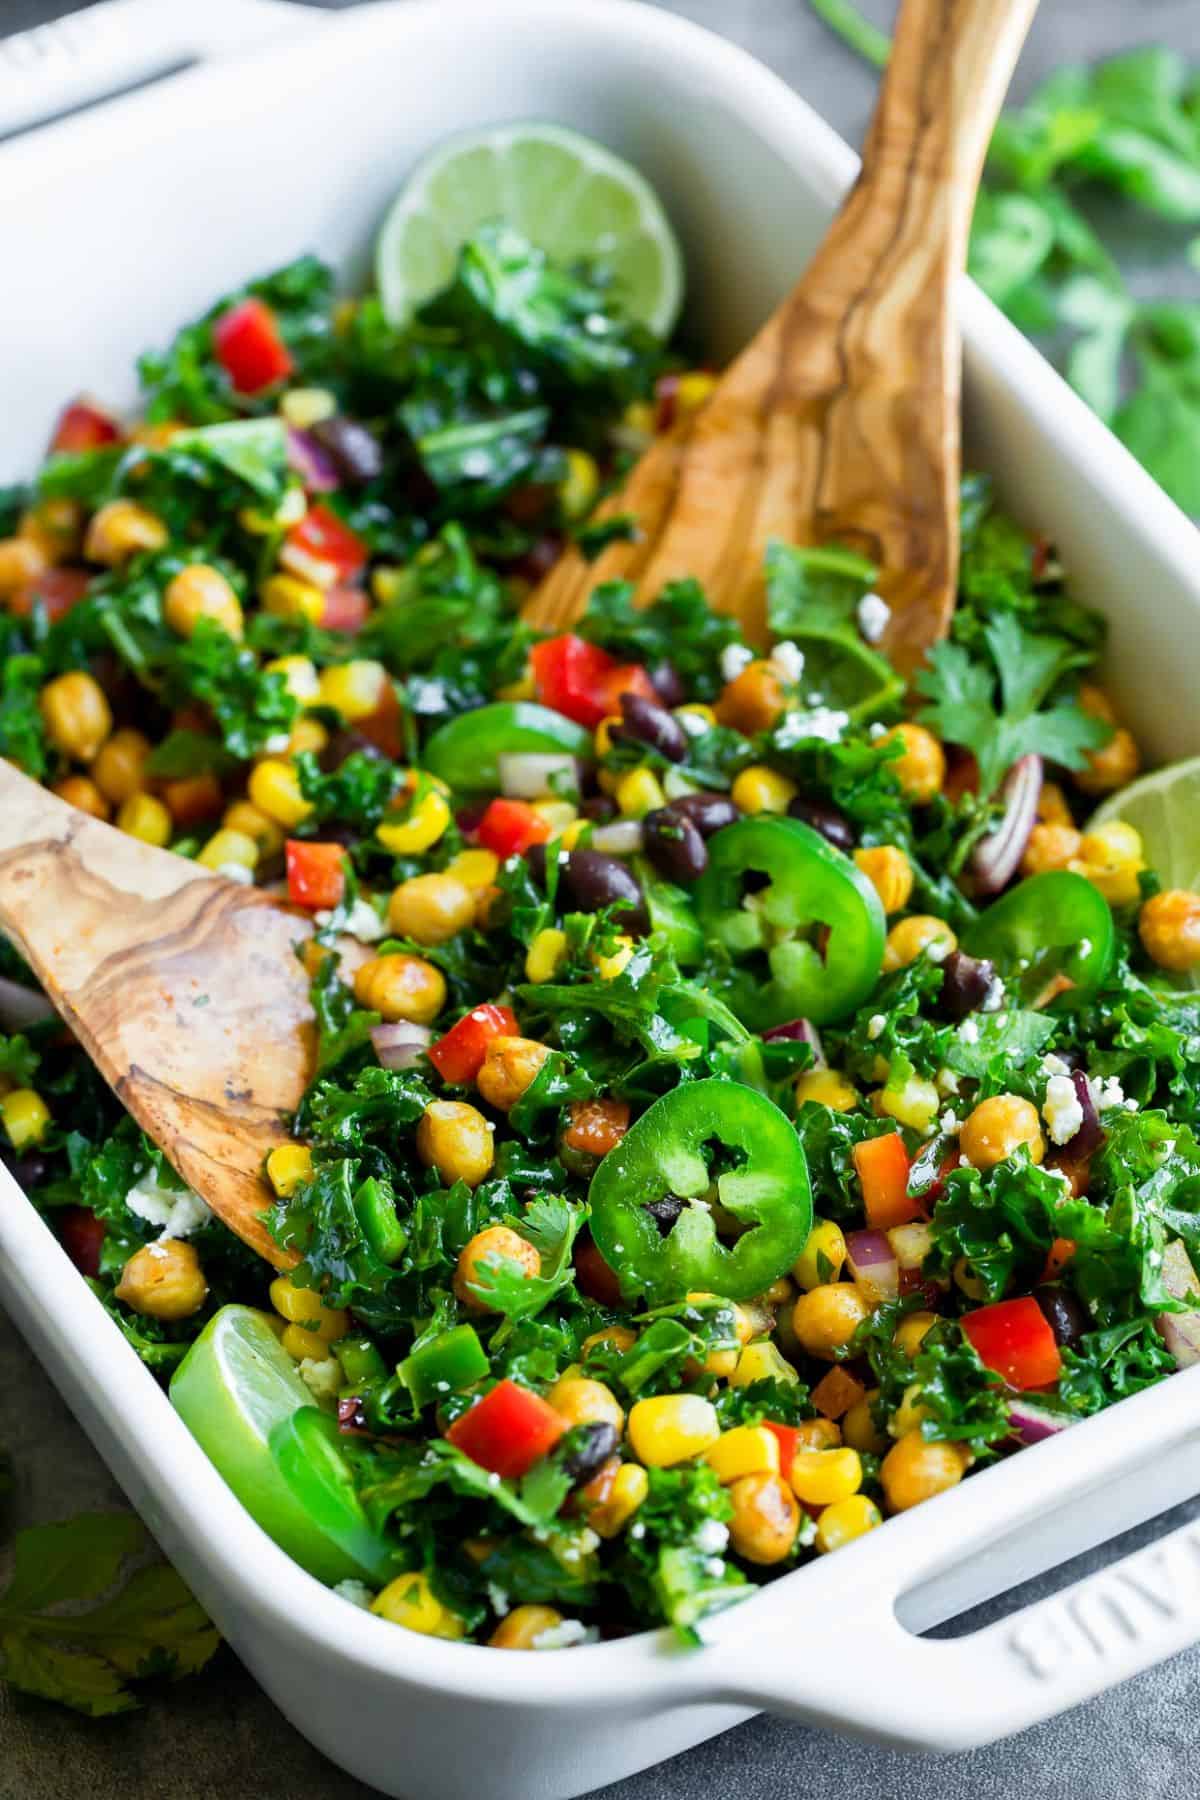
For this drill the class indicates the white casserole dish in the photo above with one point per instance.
(121, 223)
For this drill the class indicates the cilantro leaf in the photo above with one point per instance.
(551, 1224)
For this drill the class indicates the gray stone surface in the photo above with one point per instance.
(218, 1733)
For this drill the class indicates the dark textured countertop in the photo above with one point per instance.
(218, 1733)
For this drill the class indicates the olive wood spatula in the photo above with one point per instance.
(840, 420)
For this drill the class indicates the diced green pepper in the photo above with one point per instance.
(450, 1362)
(376, 1213)
(360, 1361)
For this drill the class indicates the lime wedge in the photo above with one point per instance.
(566, 193)
(235, 1388)
(1165, 808)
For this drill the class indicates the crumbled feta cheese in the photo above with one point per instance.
(356, 1592)
(1106, 1091)
(426, 694)
(939, 950)
(995, 997)
(949, 1121)
(322, 1377)
(236, 872)
(946, 1082)
(177, 1214)
(695, 724)
(875, 1026)
(710, 1536)
(637, 1529)
(277, 743)
(826, 723)
(787, 660)
(714, 1566)
(873, 615)
(361, 921)
(735, 658)
(875, 730)
(968, 1031)
(565, 1635)
(498, 1600)
(1061, 1109)
(1054, 1065)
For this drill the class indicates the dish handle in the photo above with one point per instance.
(842, 1658)
(88, 56)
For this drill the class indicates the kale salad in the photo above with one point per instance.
(750, 1096)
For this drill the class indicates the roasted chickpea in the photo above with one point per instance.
(919, 935)
(201, 592)
(76, 714)
(596, 1126)
(914, 1470)
(119, 530)
(921, 766)
(456, 1140)
(488, 1246)
(617, 1338)
(752, 701)
(1112, 857)
(401, 987)
(521, 1628)
(818, 1434)
(1169, 927)
(1050, 847)
(580, 1401)
(910, 1333)
(890, 874)
(1114, 764)
(825, 1319)
(1052, 808)
(22, 560)
(119, 766)
(510, 1066)
(766, 1518)
(859, 1428)
(78, 790)
(431, 909)
(55, 526)
(998, 1127)
(163, 1281)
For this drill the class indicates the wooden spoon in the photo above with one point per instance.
(840, 420)
(184, 989)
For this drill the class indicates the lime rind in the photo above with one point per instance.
(1164, 808)
(569, 195)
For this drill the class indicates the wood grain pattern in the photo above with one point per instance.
(840, 421)
(183, 988)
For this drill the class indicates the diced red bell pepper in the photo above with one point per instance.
(596, 1278)
(583, 681)
(81, 1234)
(345, 609)
(789, 1444)
(316, 873)
(882, 1164)
(458, 1057)
(248, 345)
(1015, 1339)
(507, 1431)
(508, 827)
(321, 545)
(82, 426)
(57, 590)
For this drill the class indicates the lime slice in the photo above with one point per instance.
(235, 1388)
(567, 194)
(1165, 808)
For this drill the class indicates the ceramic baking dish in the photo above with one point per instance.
(123, 221)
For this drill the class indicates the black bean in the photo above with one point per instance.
(966, 983)
(535, 856)
(707, 812)
(594, 881)
(27, 1171)
(664, 1212)
(587, 1448)
(354, 449)
(1066, 1316)
(834, 826)
(344, 743)
(599, 808)
(643, 722)
(667, 684)
(674, 845)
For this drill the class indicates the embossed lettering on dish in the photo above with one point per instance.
(1110, 1612)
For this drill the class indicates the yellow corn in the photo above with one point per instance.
(354, 689)
(846, 1520)
(426, 823)
(290, 511)
(602, 736)
(300, 677)
(763, 1361)
(305, 406)
(558, 814)
(822, 1257)
(274, 787)
(287, 1166)
(578, 489)
(745, 1450)
(121, 528)
(672, 1428)
(410, 1601)
(821, 1477)
(546, 955)
(827, 1088)
(915, 1103)
(630, 1486)
(249, 822)
(1111, 857)
(288, 597)
(307, 734)
(692, 390)
(475, 869)
(638, 793)
(227, 846)
(304, 1307)
(26, 1117)
(762, 790)
(145, 818)
(609, 967)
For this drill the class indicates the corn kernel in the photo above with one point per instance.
(890, 874)
(288, 597)
(910, 1413)
(353, 689)
(638, 419)
(914, 1103)
(846, 1520)
(290, 511)
(827, 1088)
(630, 1486)
(274, 787)
(119, 530)
(426, 823)
(692, 390)
(822, 1477)
(225, 847)
(610, 966)
(672, 1428)
(546, 955)
(763, 1361)
(523, 688)
(696, 709)
(762, 790)
(559, 815)
(745, 1450)
(578, 489)
(602, 736)
(118, 766)
(410, 1601)
(1111, 857)
(250, 822)
(822, 1257)
(300, 677)
(26, 1117)
(287, 1166)
(302, 407)
(474, 868)
(307, 734)
(638, 793)
(304, 1307)
(147, 819)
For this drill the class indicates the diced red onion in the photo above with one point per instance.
(21, 1006)
(873, 1265)
(401, 1046)
(798, 1031)
(1032, 1424)
(1178, 1274)
(1181, 1335)
(1088, 1139)
(910, 1244)
(311, 462)
(533, 775)
(622, 838)
(995, 858)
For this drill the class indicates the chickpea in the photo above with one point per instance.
(1111, 857)
(76, 714)
(1052, 808)
(486, 1246)
(21, 561)
(201, 592)
(826, 1319)
(1095, 702)
(766, 1518)
(456, 1140)
(119, 766)
(78, 791)
(818, 1434)
(617, 1338)
(581, 1401)
(910, 1333)
(163, 1281)
(859, 1428)
(752, 701)
(520, 1629)
(919, 935)
(914, 1470)
(509, 1067)
(890, 873)
(596, 1126)
(119, 530)
(401, 987)
(1050, 847)
(431, 909)
(921, 766)
(55, 526)
(998, 1127)
(1169, 927)
(1114, 764)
